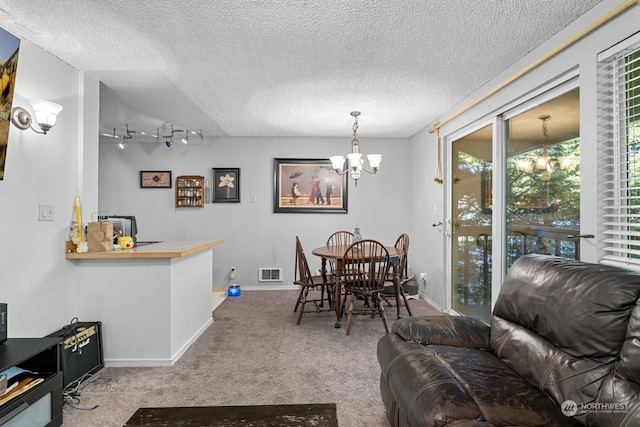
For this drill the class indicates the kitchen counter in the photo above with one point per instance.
(154, 300)
(170, 249)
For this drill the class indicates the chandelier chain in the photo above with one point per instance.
(355, 128)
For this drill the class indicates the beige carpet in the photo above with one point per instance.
(254, 354)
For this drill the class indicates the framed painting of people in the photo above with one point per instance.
(308, 186)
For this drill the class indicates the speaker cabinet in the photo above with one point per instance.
(80, 350)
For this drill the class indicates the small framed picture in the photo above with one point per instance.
(308, 186)
(155, 179)
(226, 185)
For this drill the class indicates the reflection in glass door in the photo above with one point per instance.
(543, 180)
(471, 232)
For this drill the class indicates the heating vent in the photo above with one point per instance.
(270, 275)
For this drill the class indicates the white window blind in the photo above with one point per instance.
(619, 158)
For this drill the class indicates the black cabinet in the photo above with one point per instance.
(42, 404)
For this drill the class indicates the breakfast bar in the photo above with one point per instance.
(153, 301)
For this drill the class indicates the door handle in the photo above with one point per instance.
(577, 236)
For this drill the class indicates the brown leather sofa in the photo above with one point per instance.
(563, 349)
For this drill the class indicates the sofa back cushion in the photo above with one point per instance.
(568, 327)
(582, 308)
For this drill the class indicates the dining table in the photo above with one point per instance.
(337, 253)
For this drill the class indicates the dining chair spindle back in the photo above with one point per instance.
(339, 238)
(402, 245)
(366, 266)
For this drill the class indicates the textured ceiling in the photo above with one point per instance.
(287, 67)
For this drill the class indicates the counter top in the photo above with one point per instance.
(169, 249)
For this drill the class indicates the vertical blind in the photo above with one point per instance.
(619, 158)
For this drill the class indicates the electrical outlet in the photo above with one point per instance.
(423, 277)
(233, 273)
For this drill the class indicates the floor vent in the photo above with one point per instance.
(270, 275)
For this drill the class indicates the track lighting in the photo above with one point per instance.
(123, 139)
(168, 139)
(45, 113)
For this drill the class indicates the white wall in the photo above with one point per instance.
(429, 247)
(36, 281)
(428, 242)
(253, 235)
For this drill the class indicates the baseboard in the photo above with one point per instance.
(135, 363)
(433, 303)
(193, 339)
(270, 287)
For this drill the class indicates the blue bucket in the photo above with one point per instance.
(233, 291)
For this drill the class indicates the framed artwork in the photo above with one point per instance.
(308, 186)
(226, 185)
(10, 48)
(155, 179)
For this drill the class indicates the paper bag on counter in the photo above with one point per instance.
(100, 236)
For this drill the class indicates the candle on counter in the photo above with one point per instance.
(79, 218)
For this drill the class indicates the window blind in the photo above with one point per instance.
(619, 158)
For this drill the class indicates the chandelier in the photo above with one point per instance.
(544, 163)
(356, 163)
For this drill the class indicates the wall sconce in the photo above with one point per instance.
(45, 112)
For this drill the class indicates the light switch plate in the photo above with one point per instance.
(45, 212)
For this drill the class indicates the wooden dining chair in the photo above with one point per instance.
(309, 282)
(366, 266)
(402, 245)
(339, 238)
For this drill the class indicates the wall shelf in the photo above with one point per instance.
(190, 191)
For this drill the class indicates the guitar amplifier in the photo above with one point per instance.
(81, 350)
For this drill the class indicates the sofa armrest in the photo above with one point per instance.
(457, 331)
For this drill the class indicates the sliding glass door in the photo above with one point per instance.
(471, 225)
(536, 184)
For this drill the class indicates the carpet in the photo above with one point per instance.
(320, 415)
(255, 354)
